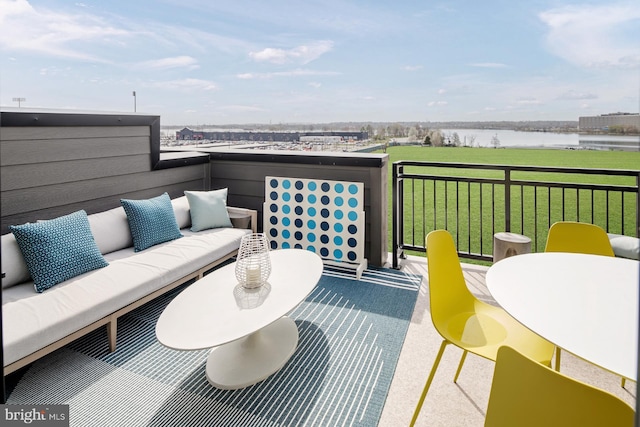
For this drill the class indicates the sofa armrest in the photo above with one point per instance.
(246, 218)
(625, 246)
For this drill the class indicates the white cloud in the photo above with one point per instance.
(488, 65)
(186, 84)
(412, 67)
(595, 36)
(25, 28)
(173, 62)
(301, 54)
(528, 101)
(317, 85)
(292, 73)
(241, 108)
(437, 103)
(573, 95)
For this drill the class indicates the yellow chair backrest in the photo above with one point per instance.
(448, 292)
(578, 237)
(525, 393)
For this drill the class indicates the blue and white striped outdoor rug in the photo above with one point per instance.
(351, 333)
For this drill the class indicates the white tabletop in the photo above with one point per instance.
(215, 310)
(585, 304)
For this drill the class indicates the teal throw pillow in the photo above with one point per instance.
(58, 249)
(208, 209)
(151, 221)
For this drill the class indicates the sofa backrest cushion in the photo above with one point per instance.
(13, 265)
(111, 230)
(58, 249)
(151, 221)
(181, 210)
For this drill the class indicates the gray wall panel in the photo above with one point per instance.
(15, 152)
(48, 171)
(24, 176)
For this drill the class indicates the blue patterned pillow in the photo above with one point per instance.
(151, 221)
(58, 249)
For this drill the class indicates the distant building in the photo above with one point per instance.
(191, 135)
(605, 121)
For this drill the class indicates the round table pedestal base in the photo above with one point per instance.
(253, 358)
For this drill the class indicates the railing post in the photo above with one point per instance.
(637, 205)
(507, 199)
(394, 214)
(397, 215)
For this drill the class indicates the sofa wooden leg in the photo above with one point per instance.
(112, 334)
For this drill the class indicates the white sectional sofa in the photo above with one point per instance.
(37, 323)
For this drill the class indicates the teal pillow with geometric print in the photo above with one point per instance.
(151, 221)
(58, 249)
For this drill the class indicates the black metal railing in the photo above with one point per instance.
(474, 201)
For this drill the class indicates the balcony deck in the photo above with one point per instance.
(464, 403)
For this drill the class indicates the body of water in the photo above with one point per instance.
(512, 138)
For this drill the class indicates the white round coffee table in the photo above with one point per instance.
(248, 329)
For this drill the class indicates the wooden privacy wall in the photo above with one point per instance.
(243, 172)
(54, 164)
(321, 216)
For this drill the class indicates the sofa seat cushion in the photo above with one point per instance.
(31, 320)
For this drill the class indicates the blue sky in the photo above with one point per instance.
(221, 62)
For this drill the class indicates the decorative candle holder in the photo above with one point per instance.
(253, 265)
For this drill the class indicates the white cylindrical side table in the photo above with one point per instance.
(509, 244)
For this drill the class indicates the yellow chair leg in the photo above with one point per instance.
(557, 359)
(462, 359)
(429, 380)
(623, 382)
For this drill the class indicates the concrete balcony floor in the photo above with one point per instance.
(463, 404)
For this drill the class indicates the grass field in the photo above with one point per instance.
(474, 227)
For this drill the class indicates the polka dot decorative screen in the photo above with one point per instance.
(325, 217)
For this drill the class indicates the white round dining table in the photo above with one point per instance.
(584, 304)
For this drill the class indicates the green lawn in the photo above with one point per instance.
(428, 218)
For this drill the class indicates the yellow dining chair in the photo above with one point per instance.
(525, 393)
(466, 322)
(578, 237)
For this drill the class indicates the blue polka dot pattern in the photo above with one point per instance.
(151, 221)
(326, 217)
(58, 249)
